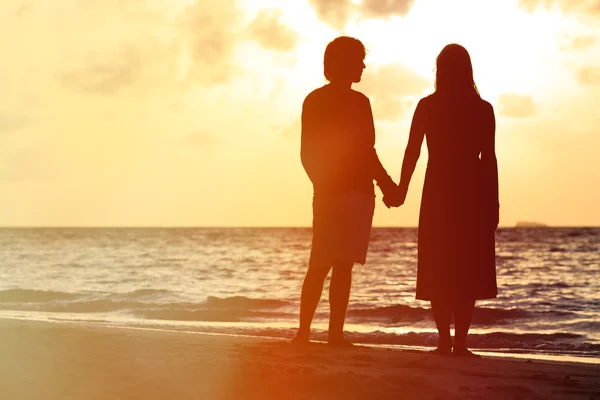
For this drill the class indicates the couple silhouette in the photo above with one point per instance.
(459, 208)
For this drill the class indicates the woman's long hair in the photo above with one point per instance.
(454, 72)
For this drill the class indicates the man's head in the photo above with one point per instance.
(344, 60)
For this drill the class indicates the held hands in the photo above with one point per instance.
(394, 197)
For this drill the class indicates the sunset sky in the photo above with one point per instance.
(186, 113)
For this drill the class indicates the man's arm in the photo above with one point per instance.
(380, 175)
(309, 146)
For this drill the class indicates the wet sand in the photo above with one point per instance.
(42, 360)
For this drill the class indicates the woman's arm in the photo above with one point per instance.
(490, 166)
(413, 149)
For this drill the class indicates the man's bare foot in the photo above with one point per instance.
(300, 340)
(464, 352)
(340, 343)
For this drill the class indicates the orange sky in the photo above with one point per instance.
(185, 113)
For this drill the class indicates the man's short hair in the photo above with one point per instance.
(337, 54)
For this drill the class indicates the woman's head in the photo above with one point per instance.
(454, 71)
(344, 59)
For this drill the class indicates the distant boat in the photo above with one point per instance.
(528, 224)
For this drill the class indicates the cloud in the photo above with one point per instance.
(577, 42)
(268, 30)
(338, 12)
(531, 5)
(210, 26)
(37, 163)
(13, 122)
(516, 106)
(199, 138)
(589, 75)
(105, 76)
(293, 129)
(105, 46)
(391, 89)
(385, 8)
(583, 42)
(22, 11)
(148, 46)
(393, 78)
(389, 86)
(582, 6)
(334, 12)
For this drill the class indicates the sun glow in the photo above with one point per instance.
(512, 51)
(177, 108)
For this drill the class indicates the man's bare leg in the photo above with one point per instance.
(339, 295)
(310, 297)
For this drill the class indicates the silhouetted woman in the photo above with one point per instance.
(338, 154)
(459, 208)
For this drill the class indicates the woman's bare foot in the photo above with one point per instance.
(442, 351)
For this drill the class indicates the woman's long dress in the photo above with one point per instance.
(456, 241)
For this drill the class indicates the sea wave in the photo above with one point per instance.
(167, 305)
(31, 295)
(481, 315)
(244, 303)
(147, 293)
(561, 343)
(212, 315)
(152, 302)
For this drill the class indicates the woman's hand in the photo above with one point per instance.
(395, 197)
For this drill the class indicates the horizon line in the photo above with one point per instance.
(247, 227)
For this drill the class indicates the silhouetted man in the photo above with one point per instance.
(338, 154)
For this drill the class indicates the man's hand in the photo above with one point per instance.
(387, 201)
(394, 197)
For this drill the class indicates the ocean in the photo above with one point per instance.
(247, 281)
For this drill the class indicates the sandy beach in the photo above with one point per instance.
(42, 360)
